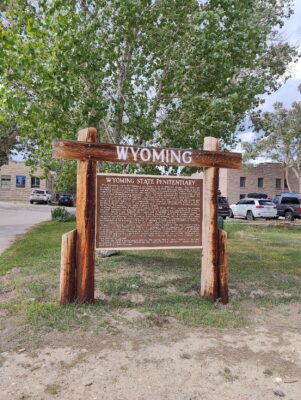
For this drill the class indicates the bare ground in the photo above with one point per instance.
(161, 360)
(124, 354)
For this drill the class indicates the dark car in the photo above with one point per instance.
(288, 205)
(66, 200)
(223, 207)
(257, 195)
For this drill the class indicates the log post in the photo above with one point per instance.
(209, 273)
(85, 221)
(223, 266)
(68, 267)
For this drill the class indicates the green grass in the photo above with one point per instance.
(195, 311)
(264, 264)
(267, 372)
(38, 250)
(265, 258)
(122, 285)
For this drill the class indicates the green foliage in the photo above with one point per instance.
(146, 72)
(279, 137)
(62, 215)
(65, 179)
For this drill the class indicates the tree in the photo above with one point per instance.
(141, 71)
(8, 141)
(279, 138)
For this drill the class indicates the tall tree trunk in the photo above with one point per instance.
(157, 98)
(286, 170)
(7, 142)
(298, 176)
(123, 67)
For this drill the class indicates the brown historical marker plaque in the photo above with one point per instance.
(148, 211)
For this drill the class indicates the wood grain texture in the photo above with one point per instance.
(73, 150)
(68, 268)
(209, 273)
(85, 222)
(223, 292)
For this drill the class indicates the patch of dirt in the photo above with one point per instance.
(162, 359)
(136, 298)
(133, 315)
(106, 297)
(165, 277)
(257, 292)
(122, 272)
(6, 295)
(7, 286)
(275, 293)
(171, 289)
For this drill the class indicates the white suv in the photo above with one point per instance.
(253, 208)
(40, 196)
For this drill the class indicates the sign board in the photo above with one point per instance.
(143, 212)
(71, 150)
(148, 212)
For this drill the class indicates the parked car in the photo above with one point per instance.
(223, 207)
(66, 200)
(253, 208)
(288, 205)
(257, 195)
(41, 196)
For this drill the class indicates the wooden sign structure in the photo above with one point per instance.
(78, 246)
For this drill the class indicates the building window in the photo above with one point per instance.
(285, 184)
(242, 182)
(20, 181)
(260, 182)
(278, 183)
(242, 196)
(5, 181)
(35, 182)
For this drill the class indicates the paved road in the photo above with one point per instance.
(15, 219)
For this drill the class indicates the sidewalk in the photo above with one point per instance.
(16, 219)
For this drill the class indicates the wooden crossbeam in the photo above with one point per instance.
(76, 150)
(78, 256)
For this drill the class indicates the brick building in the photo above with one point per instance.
(16, 184)
(265, 177)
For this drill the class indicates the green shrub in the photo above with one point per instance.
(62, 215)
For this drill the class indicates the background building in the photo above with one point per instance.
(16, 183)
(265, 177)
